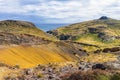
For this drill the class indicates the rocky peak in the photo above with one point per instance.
(103, 18)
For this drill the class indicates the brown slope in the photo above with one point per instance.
(21, 43)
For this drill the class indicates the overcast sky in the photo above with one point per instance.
(58, 11)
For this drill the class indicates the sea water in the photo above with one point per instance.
(47, 27)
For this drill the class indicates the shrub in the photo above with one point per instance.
(103, 77)
(90, 75)
(39, 75)
(115, 76)
(17, 66)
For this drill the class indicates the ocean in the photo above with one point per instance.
(47, 27)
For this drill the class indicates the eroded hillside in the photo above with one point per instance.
(23, 44)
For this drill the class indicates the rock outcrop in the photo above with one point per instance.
(115, 50)
(9, 38)
(103, 18)
(101, 27)
(99, 66)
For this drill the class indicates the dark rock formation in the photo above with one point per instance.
(61, 36)
(64, 37)
(98, 51)
(114, 49)
(103, 18)
(92, 30)
(96, 30)
(55, 33)
(101, 35)
(99, 66)
(106, 37)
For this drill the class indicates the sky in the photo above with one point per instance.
(58, 11)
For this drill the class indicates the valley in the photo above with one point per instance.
(85, 48)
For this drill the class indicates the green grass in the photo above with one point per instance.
(94, 36)
(23, 27)
(82, 34)
(103, 77)
(115, 76)
(99, 58)
(95, 75)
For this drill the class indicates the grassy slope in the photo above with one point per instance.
(81, 31)
(30, 56)
(79, 28)
(23, 27)
(99, 58)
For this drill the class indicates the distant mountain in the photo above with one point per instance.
(103, 32)
(23, 44)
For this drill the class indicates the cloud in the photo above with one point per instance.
(62, 10)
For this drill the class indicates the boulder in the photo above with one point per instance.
(114, 49)
(99, 66)
(98, 51)
(64, 37)
(55, 33)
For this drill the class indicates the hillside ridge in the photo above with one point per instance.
(16, 22)
(17, 27)
(23, 44)
(103, 32)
